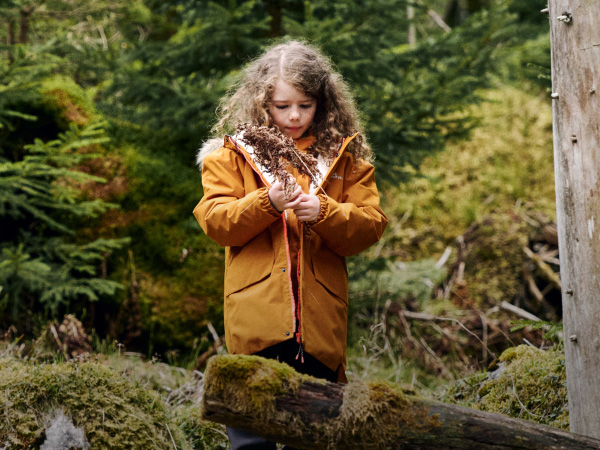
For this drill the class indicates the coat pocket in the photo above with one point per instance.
(324, 324)
(249, 264)
(330, 271)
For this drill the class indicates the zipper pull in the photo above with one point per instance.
(300, 353)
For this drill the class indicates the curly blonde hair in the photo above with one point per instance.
(308, 70)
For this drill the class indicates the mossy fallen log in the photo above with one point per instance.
(272, 400)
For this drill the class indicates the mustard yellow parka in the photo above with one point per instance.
(260, 308)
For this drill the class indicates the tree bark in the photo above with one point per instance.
(275, 10)
(575, 38)
(271, 400)
(25, 15)
(458, 10)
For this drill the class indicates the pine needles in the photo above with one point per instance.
(40, 202)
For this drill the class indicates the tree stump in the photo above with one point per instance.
(575, 38)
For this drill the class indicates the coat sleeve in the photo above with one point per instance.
(356, 223)
(226, 213)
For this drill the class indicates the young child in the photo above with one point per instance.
(286, 283)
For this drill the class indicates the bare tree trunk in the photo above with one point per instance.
(412, 29)
(455, 13)
(25, 15)
(575, 37)
(458, 10)
(272, 400)
(274, 8)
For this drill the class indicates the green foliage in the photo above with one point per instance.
(166, 91)
(67, 101)
(495, 259)
(19, 83)
(381, 280)
(43, 183)
(552, 330)
(180, 390)
(41, 264)
(377, 353)
(505, 165)
(201, 435)
(529, 383)
(532, 21)
(496, 192)
(157, 69)
(413, 99)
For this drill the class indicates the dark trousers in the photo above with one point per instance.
(284, 352)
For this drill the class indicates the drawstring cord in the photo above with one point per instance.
(300, 353)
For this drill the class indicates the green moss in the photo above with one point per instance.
(68, 102)
(379, 413)
(114, 412)
(263, 379)
(495, 258)
(508, 159)
(516, 353)
(529, 384)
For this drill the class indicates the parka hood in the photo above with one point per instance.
(209, 146)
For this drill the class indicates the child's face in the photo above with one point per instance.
(291, 110)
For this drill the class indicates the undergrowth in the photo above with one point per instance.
(506, 165)
(115, 413)
(527, 383)
(120, 401)
(483, 200)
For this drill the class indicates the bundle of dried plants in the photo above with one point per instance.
(275, 152)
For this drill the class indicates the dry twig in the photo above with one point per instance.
(546, 270)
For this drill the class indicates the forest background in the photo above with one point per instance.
(104, 104)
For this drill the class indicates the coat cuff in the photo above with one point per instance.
(322, 212)
(265, 203)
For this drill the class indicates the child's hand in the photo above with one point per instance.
(279, 200)
(309, 207)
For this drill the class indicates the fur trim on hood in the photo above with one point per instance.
(209, 146)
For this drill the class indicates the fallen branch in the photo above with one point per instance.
(518, 311)
(546, 270)
(437, 361)
(213, 350)
(270, 399)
